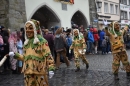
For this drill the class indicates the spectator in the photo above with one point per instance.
(60, 47)
(6, 49)
(50, 39)
(90, 41)
(104, 45)
(20, 50)
(13, 48)
(101, 35)
(22, 34)
(68, 42)
(96, 39)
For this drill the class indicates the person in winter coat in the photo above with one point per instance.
(96, 39)
(13, 48)
(90, 41)
(101, 35)
(60, 47)
(104, 45)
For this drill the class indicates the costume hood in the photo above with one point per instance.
(37, 30)
(79, 34)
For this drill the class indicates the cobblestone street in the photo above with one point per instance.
(98, 74)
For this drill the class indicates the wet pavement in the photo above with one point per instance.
(98, 74)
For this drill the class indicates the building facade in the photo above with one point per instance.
(125, 12)
(62, 13)
(108, 12)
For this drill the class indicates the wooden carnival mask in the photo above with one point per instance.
(76, 33)
(116, 26)
(29, 30)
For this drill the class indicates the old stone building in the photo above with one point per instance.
(12, 13)
(62, 13)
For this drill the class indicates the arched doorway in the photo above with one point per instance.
(79, 19)
(47, 17)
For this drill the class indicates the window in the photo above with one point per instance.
(124, 15)
(111, 9)
(123, 2)
(64, 6)
(129, 2)
(116, 9)
(129, 15)
(106, 8)
(98, 9)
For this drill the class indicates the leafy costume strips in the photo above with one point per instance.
(37, 57)
(118, 50)
(79, 47)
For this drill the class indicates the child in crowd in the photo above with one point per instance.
(104, 45)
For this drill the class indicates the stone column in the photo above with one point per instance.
(12, 14)
(16, 14)
(3, 12)
(93, 13)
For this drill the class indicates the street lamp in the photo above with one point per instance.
(99, 4)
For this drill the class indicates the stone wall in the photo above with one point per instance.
(93, 13)
(12, 14)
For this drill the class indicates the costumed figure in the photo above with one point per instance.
(79, 47)
(37, 58)
(118, 50)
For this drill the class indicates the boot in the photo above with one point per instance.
(128, 75)
(116, 77)
(14, 71)
(87, 66)
(19, 70)
(78, 69)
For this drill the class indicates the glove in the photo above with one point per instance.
(84, 50)
(11, 54)
(51, 74)
(69, 51)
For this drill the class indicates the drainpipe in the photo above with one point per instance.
(120, 12)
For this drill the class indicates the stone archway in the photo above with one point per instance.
(47, 17)
(79, 19)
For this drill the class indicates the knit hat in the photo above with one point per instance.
(37, 30)
(68, 30)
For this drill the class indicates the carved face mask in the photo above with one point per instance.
(116, 26)
(75, 33)
(29, 30)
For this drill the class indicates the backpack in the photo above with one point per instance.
(104, 43)
(59, 44)
(68, 41)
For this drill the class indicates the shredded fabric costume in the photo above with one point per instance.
(37, 61)
(118, 50)
(78, 45)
